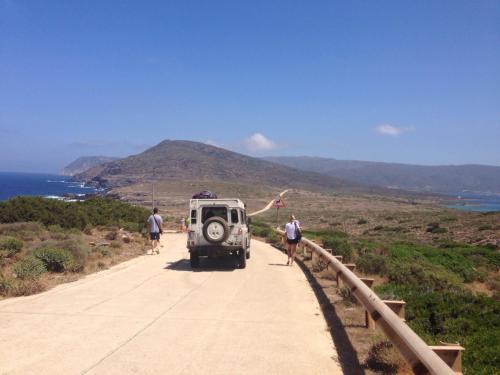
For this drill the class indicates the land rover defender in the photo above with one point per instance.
(218, 227)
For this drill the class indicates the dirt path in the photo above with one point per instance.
(154, 315)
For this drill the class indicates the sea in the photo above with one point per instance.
(13, 184)
(475, 202)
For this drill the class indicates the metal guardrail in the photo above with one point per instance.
(422, 358)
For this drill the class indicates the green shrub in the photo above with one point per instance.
(9, 246)
(421, 275)
(29, 268)
(340, 246)
(454, 315)
(6, 285)
(56, 260)
(372, 264)
(435, 228)
(133, 227)
(93, 212)
(104, 251)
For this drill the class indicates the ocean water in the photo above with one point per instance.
(476, 202)
(13, 184)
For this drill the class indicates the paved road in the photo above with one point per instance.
(269, 205)
(154, 315)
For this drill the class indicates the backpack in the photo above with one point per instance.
(298, 232)
(205, 195)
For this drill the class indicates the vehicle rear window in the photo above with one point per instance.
(208, 212)
(193, 216)
(234, 216)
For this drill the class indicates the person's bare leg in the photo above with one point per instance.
(288, 251)
(292, 251)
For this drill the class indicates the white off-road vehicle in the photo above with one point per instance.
(218, 227)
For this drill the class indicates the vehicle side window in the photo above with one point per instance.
(208, 212)
(193, 216)
(234, 216)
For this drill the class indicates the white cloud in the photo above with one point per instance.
(258, 142)
(387, 129)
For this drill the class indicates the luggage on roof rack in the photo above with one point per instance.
(205, 195)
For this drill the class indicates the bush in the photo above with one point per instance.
(435, 228)
(372, 264)
(93, 212)
(56, 260)
(5, 285)
(9, 246)
(29, 268)
(362, 221)
(104, 251)
(340, 246)
(383, 358)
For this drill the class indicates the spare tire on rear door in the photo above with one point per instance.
(215, 230)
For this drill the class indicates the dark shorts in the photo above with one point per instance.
(154, 236)
(292, 242)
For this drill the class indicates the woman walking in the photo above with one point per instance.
(293, 236)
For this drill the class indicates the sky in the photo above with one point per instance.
(396, 81)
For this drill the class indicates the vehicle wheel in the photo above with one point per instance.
(194, 259)
(242, 258)
(215, 230)
(248, 254)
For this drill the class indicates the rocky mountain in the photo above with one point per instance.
(83, 164)
(442, 179)
(193, 161)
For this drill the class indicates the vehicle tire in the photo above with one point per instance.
(248, 254)
(215, 230)
(242, 258)
(194, 259)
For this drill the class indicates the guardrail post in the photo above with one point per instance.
(398, 307)
(451, 355)
(305, 249)
(315, 261)
(338, 257)
(369, 323)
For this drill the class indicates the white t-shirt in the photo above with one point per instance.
(290, 229)
(153, 227)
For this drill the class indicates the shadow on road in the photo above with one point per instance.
(278, 264)
(347, 355)
(225, 264)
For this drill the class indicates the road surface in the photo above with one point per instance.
(154, 315)
(269, 205)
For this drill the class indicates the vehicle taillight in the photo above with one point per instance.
(240, 231)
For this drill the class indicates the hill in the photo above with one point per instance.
(84, 163)
(436, 179)
(194, 161)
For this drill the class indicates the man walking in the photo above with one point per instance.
(155, 229)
